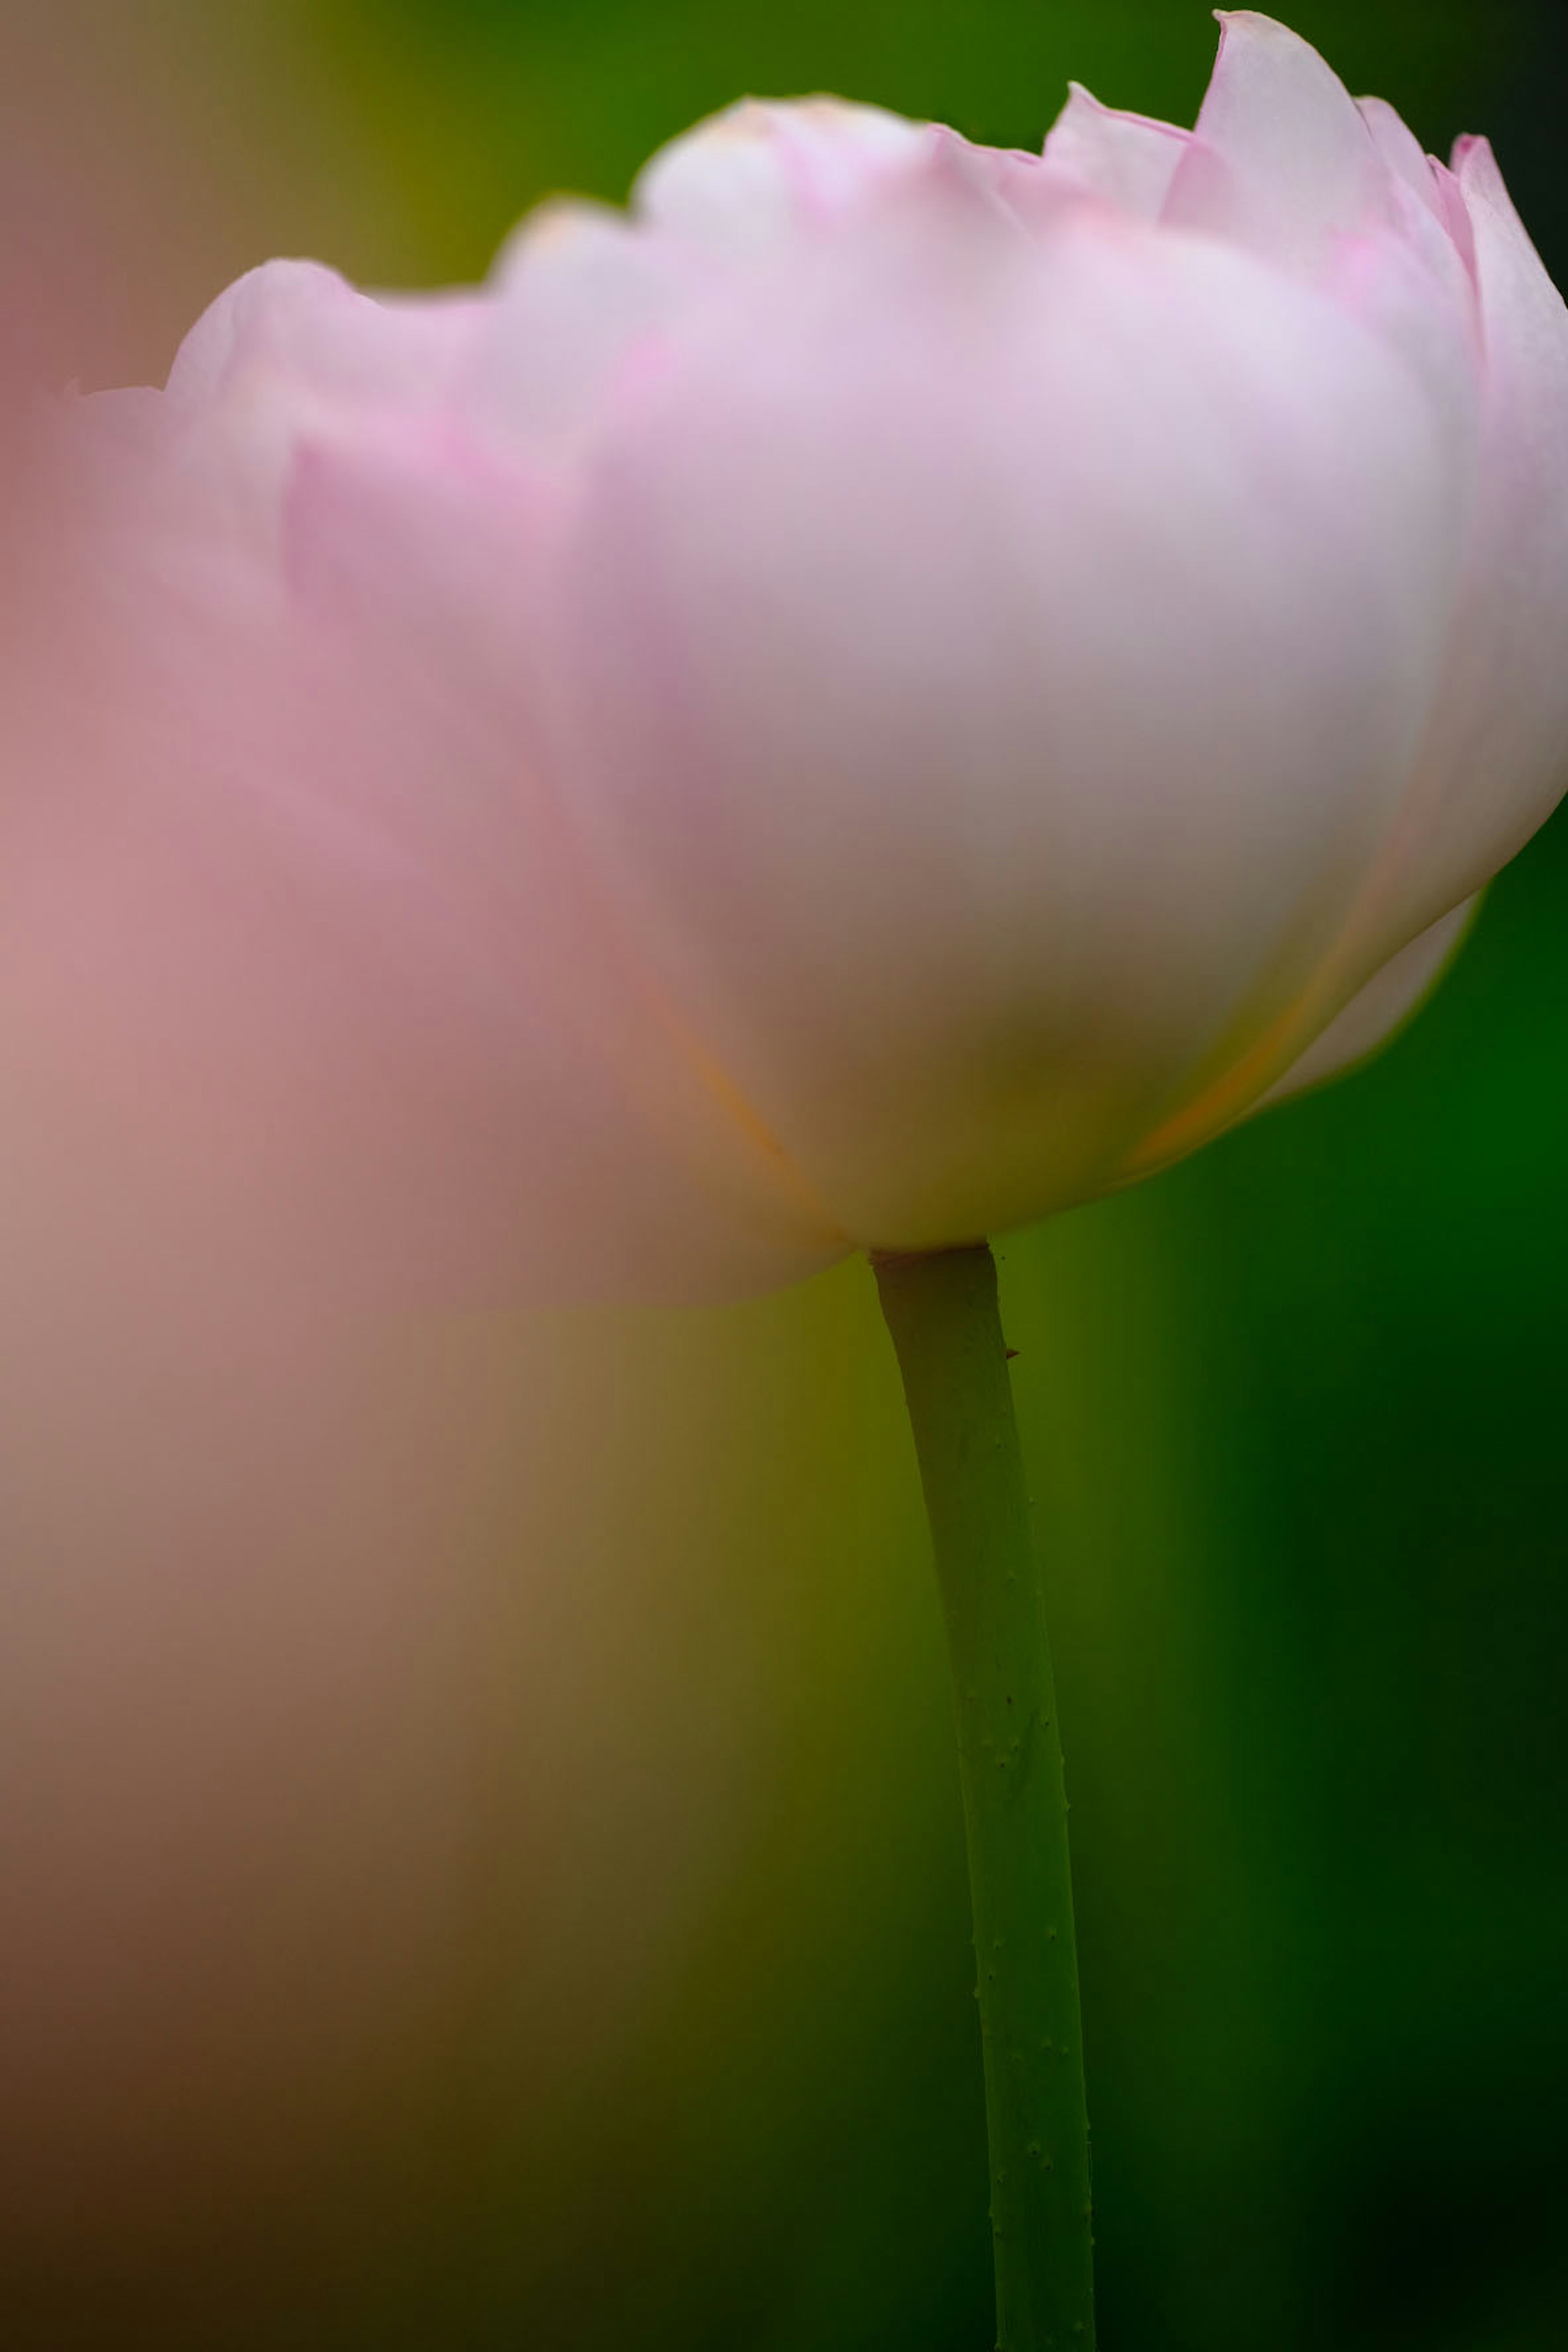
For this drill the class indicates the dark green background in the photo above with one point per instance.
(1296, 1413)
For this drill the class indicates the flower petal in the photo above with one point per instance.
(754, 175)
(296, 323)
(1379, 1011)
(284, 349)
(579, 290)
(1128, 160)
(309, 957)
(1400, 151)
(1495, 758)
(616, 1157)
(1298, 164)
(987, 664)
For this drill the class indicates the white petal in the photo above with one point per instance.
(310, 961)
(295, 323)
(282, 350)
(1377, 1013)
(1298, 164)
(611, 1153)
(1126, 160)
(1496, 762)
(579, 290)
(742, 182)
(988, 666)
(1400, 151)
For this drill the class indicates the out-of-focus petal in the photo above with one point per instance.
(285, 348)
(1391, 998)
(300, 323)
(621, 1158)
(898, 688)
(308, 959)
(1128, 160)
(988, 665)
(1300, 164)
(579, 290)
(746, 179)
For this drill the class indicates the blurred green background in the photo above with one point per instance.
(1295, 1413)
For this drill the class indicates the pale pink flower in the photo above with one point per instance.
(894, 688)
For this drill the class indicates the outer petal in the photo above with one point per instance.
(1402, 152)
(613, 1153)
(307, 960)
(282, 350)
(1497, 755)
(1495, 759)
(1455, 216)
(749, 177)
(1287, 164)
(1380, 1010)
(585, 294)
(1409, 284)
(987, 665)
(578, 292)
(296, 323)
(1128, 160)
(1300, 164)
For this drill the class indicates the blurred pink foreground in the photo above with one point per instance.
(894, 689)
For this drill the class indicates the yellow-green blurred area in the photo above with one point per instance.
(484, 1855)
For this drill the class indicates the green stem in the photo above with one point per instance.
(942, 1310)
